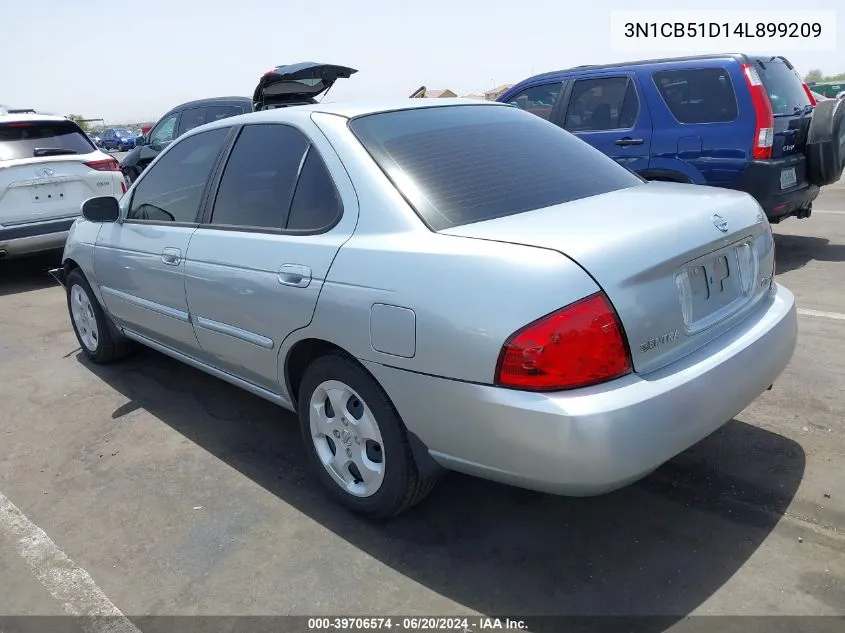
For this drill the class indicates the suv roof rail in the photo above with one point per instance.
(645, 62)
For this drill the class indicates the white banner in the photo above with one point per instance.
(723, 31)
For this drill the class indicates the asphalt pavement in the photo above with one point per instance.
(148, 487)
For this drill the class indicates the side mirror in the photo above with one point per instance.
(140, 141)
(101, 209)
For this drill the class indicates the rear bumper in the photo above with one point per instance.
(34, 237)
(594, 440)
(762, 180)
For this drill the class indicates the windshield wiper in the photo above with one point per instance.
(52, 151)
(796, 110)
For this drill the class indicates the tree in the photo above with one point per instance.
(79, 120)
(814, 75)
(818, 75)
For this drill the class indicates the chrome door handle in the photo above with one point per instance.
(295, 275)
(171, 256)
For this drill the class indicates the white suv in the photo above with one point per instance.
(48, 168)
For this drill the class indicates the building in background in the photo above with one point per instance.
(439, 94)
(492, 95)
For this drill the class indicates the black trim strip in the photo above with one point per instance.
(32, 230)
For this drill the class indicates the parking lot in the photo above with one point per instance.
(161, 490)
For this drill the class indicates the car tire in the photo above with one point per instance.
(825, 147)
(97, 337)
(365, 462)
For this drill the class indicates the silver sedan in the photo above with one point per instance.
(439, 285)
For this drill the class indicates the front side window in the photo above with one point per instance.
(164, 132)
(171, 190)
(215, 113)
(191, 118)
(462, 164)
(698, 95)
(259, 178)
(539, 100)
(605, 103)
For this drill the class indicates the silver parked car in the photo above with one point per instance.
(439, 284)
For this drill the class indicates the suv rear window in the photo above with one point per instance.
(698, 95)
(784, 87)
(461, 164)
(21, 139)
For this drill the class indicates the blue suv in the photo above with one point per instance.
(722, 120)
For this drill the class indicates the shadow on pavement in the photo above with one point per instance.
(659, 547)
(795, 251)
(28, 273)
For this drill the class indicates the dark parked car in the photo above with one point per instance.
(294, 84)
(120, 139)
(733, 121)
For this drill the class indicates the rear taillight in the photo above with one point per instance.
(764, 133)
(809, 94)
(579, 345)
(109, 164)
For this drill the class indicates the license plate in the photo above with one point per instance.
(788, 178)
(710, 287)
(47, 193)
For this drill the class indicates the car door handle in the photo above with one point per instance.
(171, 256)
(295, 275)
(627, 140)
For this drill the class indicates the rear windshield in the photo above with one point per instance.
(784, 87)
(26, 139)
(462, 164)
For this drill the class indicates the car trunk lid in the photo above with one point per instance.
(681, 264)
(295, 84)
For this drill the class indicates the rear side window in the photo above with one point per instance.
(28, 139)
(698, 95)
(316, 204)
(784, 87)
(462, 164)
(605, 103)
(259, 178)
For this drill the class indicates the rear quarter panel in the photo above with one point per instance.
(467, 295)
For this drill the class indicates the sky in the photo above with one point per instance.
(129, 61)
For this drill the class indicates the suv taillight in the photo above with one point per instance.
(109, 164)
(764, 133)
(579, 345)
(809, 93)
